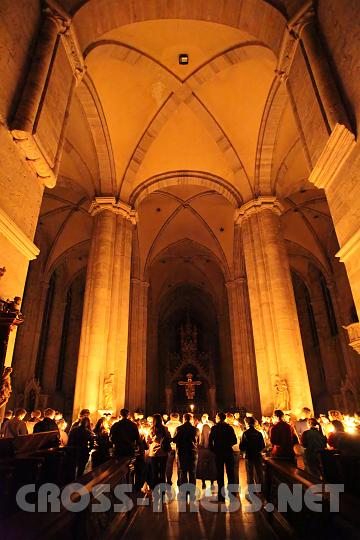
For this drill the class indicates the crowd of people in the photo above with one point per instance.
(201, 448)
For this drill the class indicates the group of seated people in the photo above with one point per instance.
(201, 448)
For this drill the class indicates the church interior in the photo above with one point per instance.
(180, 201)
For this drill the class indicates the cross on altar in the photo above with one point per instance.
(189, 385)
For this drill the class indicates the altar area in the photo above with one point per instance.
(190, 380)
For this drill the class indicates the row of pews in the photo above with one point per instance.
(302, 522)
(37, 460)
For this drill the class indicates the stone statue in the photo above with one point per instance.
(109, 392)
(282, 400)
(5, 386)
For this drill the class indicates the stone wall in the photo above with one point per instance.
(20, 189)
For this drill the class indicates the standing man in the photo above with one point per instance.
(282, 437)
(230, 419)
(221, 440)
(47, 423)
(125, 436)
(172, 426)
(302, 425)
(187, 438)
(16, 426)
(252, 443)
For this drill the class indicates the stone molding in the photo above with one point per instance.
(306, 15)
(99, 204)
(17, 237)
(291, 38)
(257, 205)
(137, 281)
(338, 148)
(231, 284)
(350, 248)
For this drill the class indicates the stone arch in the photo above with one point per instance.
(173, 178)
(274, 107)
(97, 19)
(97, 123)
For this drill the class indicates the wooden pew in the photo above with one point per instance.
(84, 525)
(27, 459)
(307, 524)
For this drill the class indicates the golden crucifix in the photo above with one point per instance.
(189, 385)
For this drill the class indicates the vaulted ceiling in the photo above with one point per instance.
(183, 144)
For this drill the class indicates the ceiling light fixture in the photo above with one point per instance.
(183, 59)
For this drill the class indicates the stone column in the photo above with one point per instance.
(349, 254)
(27, 111)
(212, 400)
(306, 29)
(328, 349)
(53, 342)
(277, 338)
(137, 346)
(168, 399)
(244, 364)
(101, 372)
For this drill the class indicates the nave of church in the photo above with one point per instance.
(180, 212)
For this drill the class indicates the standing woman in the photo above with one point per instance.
(159, 448)
(102, 442)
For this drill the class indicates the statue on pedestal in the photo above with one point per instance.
(109, 392)
(282, 399)
(5, 386)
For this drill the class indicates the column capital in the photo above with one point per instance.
(305, 16)
(257, 205)
(231, 284)
(353, 331)
(99, 204)
(338, 147)
(138, 281)
(53, 11)
(291, 36)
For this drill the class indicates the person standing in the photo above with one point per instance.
(313, 440)
(230, 419)
(206, 468)
(159, 448)
(102, 444)
(16, 426)
(252, 443)
(302, 425)
(172, 425)
(35, 418)
(125, 436)
(8, 416)
(187, 439)
(47, 423)
(221, 440)
(81, 440)
(282, 437)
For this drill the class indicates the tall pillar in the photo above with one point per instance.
(328, 349)
(245, 378)
(306, 29)
(277, 338)
(53, 344)
(101, 372)
(27, 111)
(137, 347)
